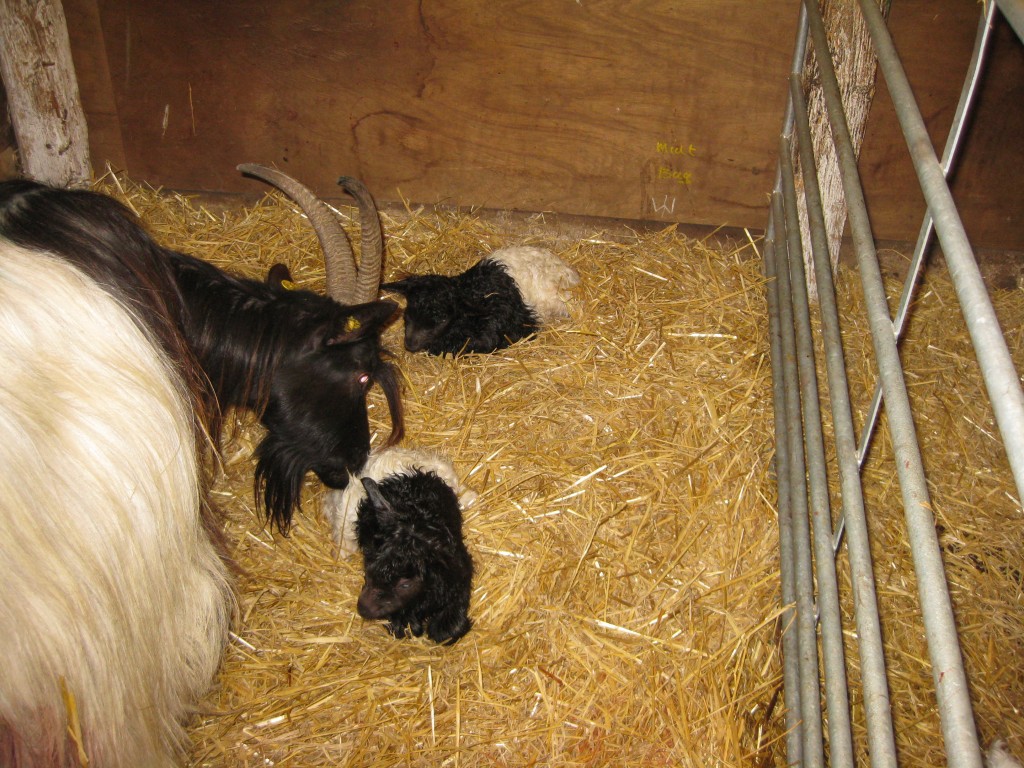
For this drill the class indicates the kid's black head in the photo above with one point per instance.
(418, 572)
(431, 307)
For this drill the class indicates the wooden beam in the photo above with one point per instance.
(42, 91)
(854, 62)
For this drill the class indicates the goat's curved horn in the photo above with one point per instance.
(372, 248)
(339, 262)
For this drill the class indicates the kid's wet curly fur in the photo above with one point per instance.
(406, 519)
(506, 296)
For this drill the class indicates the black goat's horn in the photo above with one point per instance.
(339, 262)
(372, 249)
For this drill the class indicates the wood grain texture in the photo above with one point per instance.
(583, 107)
(42, 92)
(853, 60)
(666, 111)
(94, 81)
(935, 40)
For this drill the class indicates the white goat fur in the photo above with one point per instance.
(340, 506)
(999, 756)
(544, 280)
(112, 589)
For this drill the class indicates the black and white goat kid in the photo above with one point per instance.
(405, 517)
(303, 362)
(506, 296)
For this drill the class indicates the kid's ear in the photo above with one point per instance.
(399, 286)
(363, 320)
(381, 505)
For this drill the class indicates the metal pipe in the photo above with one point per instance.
(796, 65)
(790, 643)
(997, 368)
(837, 698)
(790, 640)
(949, 154)
(940, 628)
(875, 691)
(1013, 10)
(810, 688)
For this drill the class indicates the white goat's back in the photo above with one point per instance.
(544, 280)
(111, 589)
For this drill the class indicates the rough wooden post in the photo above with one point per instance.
(855, 65)
(42, 92)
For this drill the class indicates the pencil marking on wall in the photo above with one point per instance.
(665, 206)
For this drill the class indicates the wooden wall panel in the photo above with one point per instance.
(935, 40)
(89, 50)
(654, 109)
(626, 108)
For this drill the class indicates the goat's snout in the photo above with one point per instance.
(373, 603)
(377, 603)
(382, 602)
(418, 339)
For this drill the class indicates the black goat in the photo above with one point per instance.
(303, 362)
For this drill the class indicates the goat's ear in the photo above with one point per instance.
(363, 320)
(380, 504)
(279, 276)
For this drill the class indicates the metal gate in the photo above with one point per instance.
(810, 535)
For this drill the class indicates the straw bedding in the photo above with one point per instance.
(978, 517)
(626, 595)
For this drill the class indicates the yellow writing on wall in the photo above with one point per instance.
(665, 148)
(671, 174)
(680, 150)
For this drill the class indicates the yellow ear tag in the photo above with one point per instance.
(351, 324)
(288, 285)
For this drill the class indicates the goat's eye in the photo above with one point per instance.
(404, 585)
(364, 379)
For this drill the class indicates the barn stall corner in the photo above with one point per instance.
(701, 530)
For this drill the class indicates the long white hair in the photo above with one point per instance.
(115, 604)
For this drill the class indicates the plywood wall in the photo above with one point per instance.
(935, 40)
(637, 109)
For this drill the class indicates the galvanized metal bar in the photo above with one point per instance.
(940, 628)
(830, 620)
(877, 708)
(783, 422)
(997, 368)
(1013, 10)
(796, 65)
(790, 643)
(949, 155)
(813, 750)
